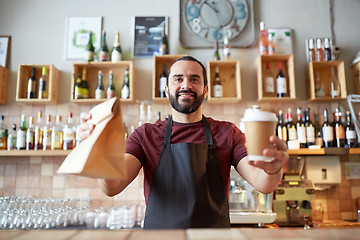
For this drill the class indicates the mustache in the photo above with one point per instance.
(186, 91)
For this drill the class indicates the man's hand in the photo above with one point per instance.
(86, 128)
(278, 153)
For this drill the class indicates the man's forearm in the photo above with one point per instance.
(110, 187)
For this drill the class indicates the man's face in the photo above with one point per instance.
(186, 89)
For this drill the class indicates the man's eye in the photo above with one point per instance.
(195, 79)
(177, 79)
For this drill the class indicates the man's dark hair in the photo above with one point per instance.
(188, 58)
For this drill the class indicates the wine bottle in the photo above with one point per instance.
(69, 133)
(318, 135)
(84, 85)
(21, 134)
(339, 130)
(90, 49)
(57, 135)
(11, 140)
(227, 53)
(78, 88)
(30, 135)
(125, 90)
(217, 88)
(39, 132)
(310, 129)
(319, 53)
(281, 87)
(31, 88)
(216, 52)
(99, 91)
(327, 50)
(334, 83)
(327, 131)
(164, 45)
(300, 129)
(319, 85)
(3, 133)
(43, 84)
(162, 82)
(311, 50)
(350, 133)
(279, 125)
(290, 126)
(104, 51)
(116, 53)
(269, 83)
(263, 42)
(110, 92)
(47, 133)
(271, 44)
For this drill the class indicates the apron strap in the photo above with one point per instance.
(168, 129)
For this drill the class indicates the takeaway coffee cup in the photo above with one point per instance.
(259, 126)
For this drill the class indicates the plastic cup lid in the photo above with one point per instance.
(254, 114)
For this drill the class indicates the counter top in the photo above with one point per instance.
(191, 234)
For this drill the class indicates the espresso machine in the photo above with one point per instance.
(292, 200)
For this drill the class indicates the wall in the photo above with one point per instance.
(38, 29)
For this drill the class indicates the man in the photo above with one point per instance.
(187, 158)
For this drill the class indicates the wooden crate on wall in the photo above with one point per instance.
(4, 84)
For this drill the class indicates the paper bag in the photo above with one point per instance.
(101, 155)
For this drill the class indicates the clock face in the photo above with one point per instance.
(212, 20)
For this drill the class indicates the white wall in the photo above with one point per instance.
(38, 28)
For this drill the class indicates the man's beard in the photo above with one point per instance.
(186, 107)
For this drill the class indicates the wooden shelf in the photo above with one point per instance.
(4, 83)
(33, 153)
(355, 67)
(325, 151)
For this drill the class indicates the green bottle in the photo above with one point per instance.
(110, 93)
(99, 92)
(43, 84)
(104, 51)
(125, 91)
(90, 49)
(116, 54)
(21, 134)
(78, 87)
(84, 86)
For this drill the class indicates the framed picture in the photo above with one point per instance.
(77, 37)
(4, 50)
(147, 35)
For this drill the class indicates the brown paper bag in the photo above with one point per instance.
(101, 155)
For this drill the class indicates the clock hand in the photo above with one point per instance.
(215, 10)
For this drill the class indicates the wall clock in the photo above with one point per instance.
(202, 22)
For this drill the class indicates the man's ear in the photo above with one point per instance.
(166, 91)
(206, 90)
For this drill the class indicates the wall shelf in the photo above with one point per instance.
(325, 151)
(33, 153)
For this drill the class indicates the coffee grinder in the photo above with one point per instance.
(292, 202)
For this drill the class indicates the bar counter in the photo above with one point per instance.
(191, 234)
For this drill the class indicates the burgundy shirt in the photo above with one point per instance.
(146, 142)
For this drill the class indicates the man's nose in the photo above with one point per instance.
(186, 84)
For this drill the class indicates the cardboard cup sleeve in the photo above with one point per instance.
(101, 155)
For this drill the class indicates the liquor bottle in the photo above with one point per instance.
(319, 53)
(279, 125)
(11, 140)
(43, 84)
(334, 83)
(104, 51)
(90, 49)
(30, 135)
(57, 134)
(69, 133)
(271, 44)
(290, 126)
(99, 91)
(311, 50)
(47, 133)
(269, 82)
(125, 90)
(142, 115)
(3, 133)
(319, 85)
(39, 132)
(300, 129)
(110, 92)
(31, 88)
(216, 52)
(84, 85)
(164, 45)
(149, 114)
(339, 130)
(318, 135)
(263, 42)
(116, 53)
(310, 129)
(327, 50)
(158, 116)
(21, 134)
(350, 133)
(162, 84)
(281, 87)
(226, 51)
(217, 88)
(327, 131)
(78, 88)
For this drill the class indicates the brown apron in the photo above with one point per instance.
(187, 189)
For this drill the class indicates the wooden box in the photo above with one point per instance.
(92, 70)
(229, 73)
(323, 69)
(4, 83)
(288, 71)
(356, 75)
(24, 74)
(159, 61)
